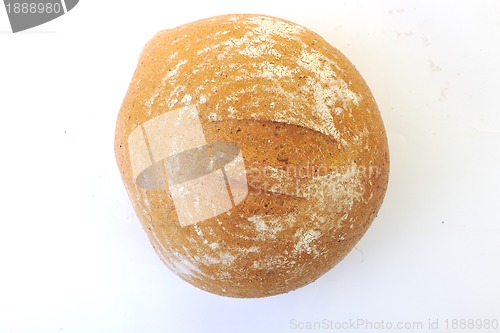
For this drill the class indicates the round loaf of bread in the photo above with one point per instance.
(253, 152)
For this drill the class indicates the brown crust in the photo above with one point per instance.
(304, 119)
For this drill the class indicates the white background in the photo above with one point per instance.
(74, 258)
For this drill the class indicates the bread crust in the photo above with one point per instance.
(311, 136)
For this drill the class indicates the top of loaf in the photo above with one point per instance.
(256, 41)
